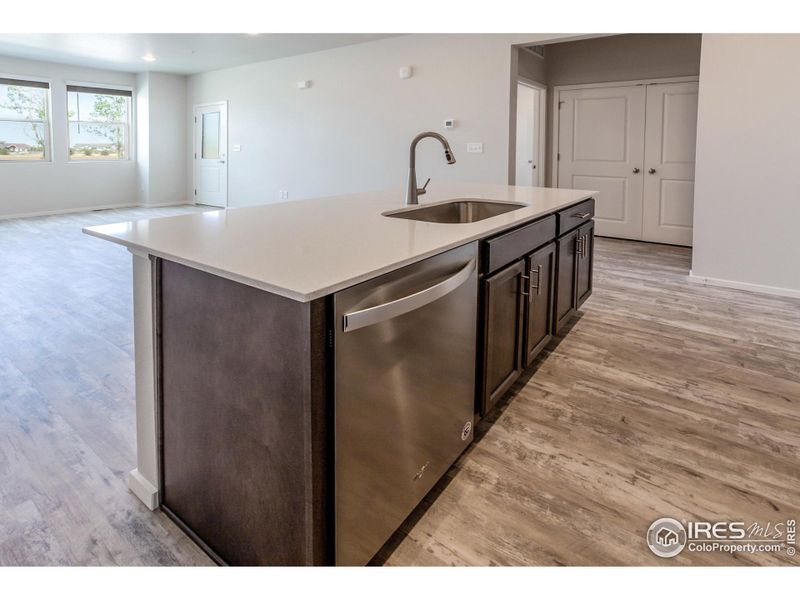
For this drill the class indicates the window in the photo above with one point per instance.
(99, 123)
(24, 120)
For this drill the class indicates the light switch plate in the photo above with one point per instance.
(475, 147)
(283, 194)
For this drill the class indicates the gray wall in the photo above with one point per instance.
(623, 57)
(532, 67)
(746, 205)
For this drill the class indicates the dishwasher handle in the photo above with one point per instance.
(389, 310)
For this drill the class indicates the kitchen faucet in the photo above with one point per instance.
(412, 191)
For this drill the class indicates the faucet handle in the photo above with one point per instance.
(422, 190)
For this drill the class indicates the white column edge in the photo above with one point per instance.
(143, 489)
(144, 479)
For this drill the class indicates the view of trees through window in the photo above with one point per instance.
(99, 123)
(24, 128)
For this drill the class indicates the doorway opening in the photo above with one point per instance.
(621, 119)
(531, 125)
(210, 154)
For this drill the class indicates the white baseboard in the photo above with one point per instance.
(65, 211)
(143, 489)
(82, 209)
(163, 204)
(741, 285)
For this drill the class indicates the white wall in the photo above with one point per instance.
(58, 186)
(747, 205)
(162, 133)
(350, 131)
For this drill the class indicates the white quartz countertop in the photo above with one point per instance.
(307, 249)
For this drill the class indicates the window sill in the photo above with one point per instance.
(98, 160)
(22, 161)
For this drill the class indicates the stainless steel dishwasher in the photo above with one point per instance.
(404, 387)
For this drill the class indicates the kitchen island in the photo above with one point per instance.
(245, 436)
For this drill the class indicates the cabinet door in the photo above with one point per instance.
(585, 260)
(503, 320)
(565, 302)
(539, 317)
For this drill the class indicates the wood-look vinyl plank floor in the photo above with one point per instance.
(67, 412)
(665, 399)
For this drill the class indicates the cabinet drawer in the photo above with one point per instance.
(572, 217)
(505, 248)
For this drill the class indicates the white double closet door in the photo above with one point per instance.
(635, 144)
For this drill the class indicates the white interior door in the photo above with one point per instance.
(670, 141)
(529, 131)
(601, 147)
(211, 154)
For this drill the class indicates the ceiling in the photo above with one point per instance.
(184, 53)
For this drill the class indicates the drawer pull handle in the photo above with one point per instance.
(581, 215)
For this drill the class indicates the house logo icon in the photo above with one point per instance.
(666, 537)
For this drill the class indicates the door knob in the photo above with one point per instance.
(530, 162)
(651, 170)
(635, 169)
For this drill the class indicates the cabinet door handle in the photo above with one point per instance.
(538, 286)
(581, 250)
(524, 286)
(579, 245)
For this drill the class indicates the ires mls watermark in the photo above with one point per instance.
(668, 537)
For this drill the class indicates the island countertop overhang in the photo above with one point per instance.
(307, 249)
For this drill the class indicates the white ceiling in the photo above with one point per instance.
(174, 52)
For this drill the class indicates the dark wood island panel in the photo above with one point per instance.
(242, 396)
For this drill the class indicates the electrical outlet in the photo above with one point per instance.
(283, 194)
(475, 147)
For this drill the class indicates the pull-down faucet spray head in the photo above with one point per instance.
(412, 191)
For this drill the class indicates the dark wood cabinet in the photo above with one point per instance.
(574, 263)
(503, 319)
(565, 304)
(584, 259)
(538, 331)
(517, 315)
(534, 278)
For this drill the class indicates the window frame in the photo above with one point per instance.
(48, 123)
(131, 125)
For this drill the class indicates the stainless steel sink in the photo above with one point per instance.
(460, 210)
